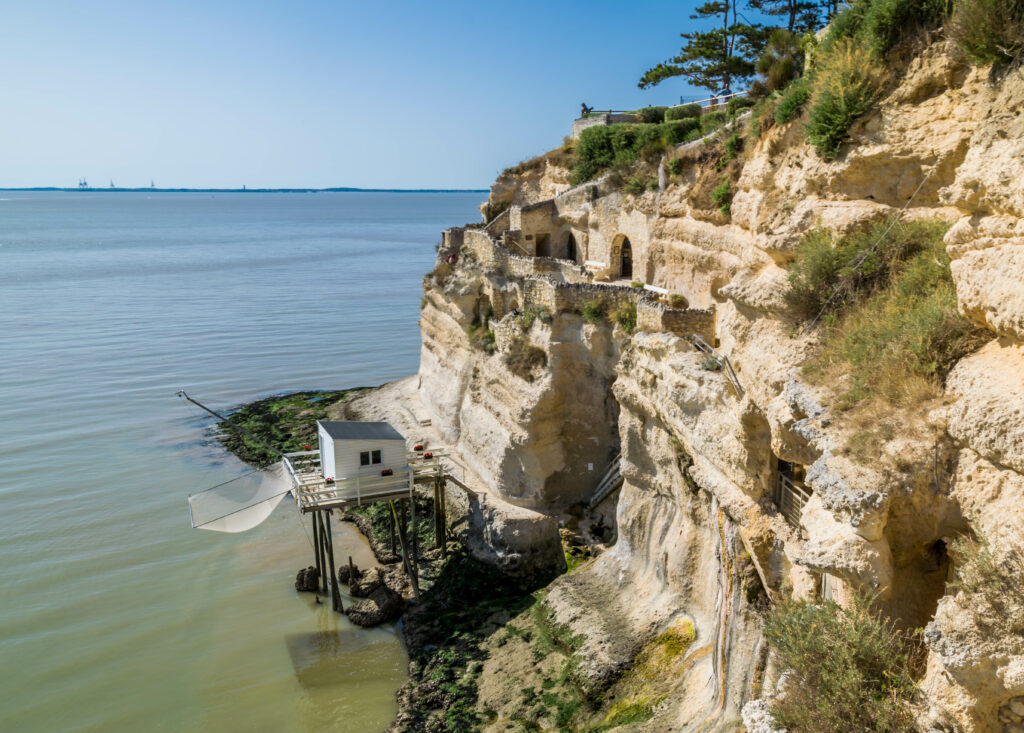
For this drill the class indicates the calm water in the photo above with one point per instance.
(114, 613)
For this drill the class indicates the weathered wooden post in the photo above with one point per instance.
(335, 594)
(391, 530)
(316, 548)
(438, 529)
(443, 514)
(405, 554)
(415, 541)
(351, 572)
(323, 554)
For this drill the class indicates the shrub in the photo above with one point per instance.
(793, 99)
(722, 196)
(683, 112)
(849, 669)
(594, 152)
(636, 185)
(676, 132)
(651, 115)
(537, 312)
(993, 589)
(648, 140)
(712, 121)
(711, 364)
(781, 62)
(738, 104)
(652, 185)
(678, 300)
(762, 117)
(733, 146)
(887, 22)
(626, 317)
(593, 311)
(636, 284)
(892, 317)
(845, 88)
(523, 358)
(675, 166)
(988, 31)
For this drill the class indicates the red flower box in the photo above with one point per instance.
(387, 472)
(418, 447)
(428, 455)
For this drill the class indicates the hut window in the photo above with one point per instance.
(368, 457)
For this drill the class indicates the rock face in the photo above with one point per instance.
(697, 520)
(307, 580)
(383, 605)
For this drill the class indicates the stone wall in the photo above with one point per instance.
(581, 124)
(656, 317)
(495, 256)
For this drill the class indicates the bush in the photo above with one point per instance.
(711, 364)
(605, 146)
(626, 317)
(594, 152)
(988, 31)
(652, 115)
(849, 669)
(523, 358)
(636, 185)
(888, 22)
(593, 311)
(892, 317)
(683, 112)
(733, 146)
(993, 588)
(675, 166)
(793, 99)
(712, 121)
(845, 88)
(677, 132)
(537, 312)
(678, 300)
(723, 197)
(637, 284)
(738, 104)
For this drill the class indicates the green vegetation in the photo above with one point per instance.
(650, 115)
(626, 317)
(889, 307)
(683, 112)
(523, 358)
(988, 31)
(622, 145)
(638, 284)
(711, 364)
(733, 146)
(711, 121)
(791, 102)
(993, 589)
(536, 312)
(722, 196)
(845, 87)
(286, 422)
(678, 300)
(636, 185)
(675, 166)
(593, 311)
(378, 516)
(851, 670)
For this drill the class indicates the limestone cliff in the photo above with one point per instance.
(699, 532)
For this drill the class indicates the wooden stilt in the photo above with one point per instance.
(415, 544)
(316, 547)
(391, 529)
(438, 529)
(351, 571)
(335, 594)
(323, 556)
(405, 554)
(443, 513)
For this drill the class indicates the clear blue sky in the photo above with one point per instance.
(281, 94)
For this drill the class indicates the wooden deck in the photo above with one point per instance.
(314, 493)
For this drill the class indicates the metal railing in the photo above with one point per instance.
(706, 348)
(611, 480)
(791, 497)
(707, 104)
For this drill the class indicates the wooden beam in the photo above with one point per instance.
(316, 549)
(323, 555)
(405, 554)
(415, 544)
(335, 594)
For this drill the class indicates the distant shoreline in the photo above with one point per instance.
(76, 189)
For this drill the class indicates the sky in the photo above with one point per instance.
(372, 94)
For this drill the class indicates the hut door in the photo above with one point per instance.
(627, 259)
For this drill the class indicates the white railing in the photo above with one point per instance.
(611, 480)
(705, 347)
(791, 497)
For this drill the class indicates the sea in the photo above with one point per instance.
(116, 615)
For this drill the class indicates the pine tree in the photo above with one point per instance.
(801, 16)
(716, 58)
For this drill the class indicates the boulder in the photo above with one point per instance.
(307, 580)
(382, 605)
(344, 571)
(366, 583)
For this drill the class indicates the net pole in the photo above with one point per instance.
(335, 594)
(316, 548)
(323, 552)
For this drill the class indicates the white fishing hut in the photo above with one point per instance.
(349, 449)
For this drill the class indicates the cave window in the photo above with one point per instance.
(791, 493)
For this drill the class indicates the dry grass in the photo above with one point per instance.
(523, 359)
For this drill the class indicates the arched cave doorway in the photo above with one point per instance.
(626, 259)
(570, 247)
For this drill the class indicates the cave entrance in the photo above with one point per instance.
(543, 245)
(626, 259)
(570, 247)
(791, 493)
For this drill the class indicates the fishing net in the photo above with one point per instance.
(242, 503)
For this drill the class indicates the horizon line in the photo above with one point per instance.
(151, 189)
